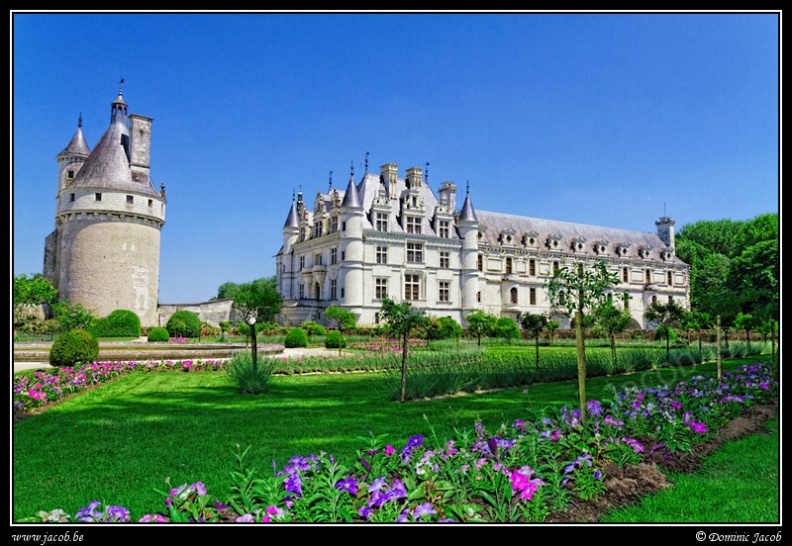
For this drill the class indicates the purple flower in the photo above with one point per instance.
(199, 488)
(156, 518)
(424, 510)
(594, 408)
(347, 484)
(364, 511)
(698, 427)
(245, 518)
(117, 513)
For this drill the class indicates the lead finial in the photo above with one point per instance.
(366, 164)
(352, 169)
(426, 174)
(330, 182)
(467, 188)
(79, 121)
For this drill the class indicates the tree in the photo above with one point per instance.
(579, 290)
(33, 290)
(481, 324)
(259, 298)
(552, 326)
(747, 322)
(534, 324)
(665, 316)
(343, 317)
(696, 320)
(612, 320)
(507, 329)
(402, 319)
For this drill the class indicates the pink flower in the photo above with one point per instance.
(389, 450)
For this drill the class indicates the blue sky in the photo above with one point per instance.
(609, 119)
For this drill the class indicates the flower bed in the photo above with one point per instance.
(519, 472)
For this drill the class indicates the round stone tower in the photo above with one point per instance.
(104, 252)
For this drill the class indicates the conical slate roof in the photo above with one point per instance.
(291, 219)
(467, 214)
(108, 165)
(351, 197)
(77, 145)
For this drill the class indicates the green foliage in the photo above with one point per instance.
(443, 328)
(402, 319)
(296, 338)
(184, 323)
(335, 340)
(344, 318)
(507, 329)
(249, 378)
(313, 328)
(259, 299)
(74, 347)
(119, 323)
(33, 290)
(158, 333)
(73, 317)
(481, 324)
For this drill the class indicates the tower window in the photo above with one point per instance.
(71, 197)
(130, 200)
(480, 262)
(70, 175)
(150, 202)
(513, 295)
(98, 196)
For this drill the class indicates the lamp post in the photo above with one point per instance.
(252, 322)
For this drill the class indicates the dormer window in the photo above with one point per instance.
(529, 239)
(552, 240)
(621, 249)
(577, 244)
(600, 246)
(643, 251)
(666, 254)
(506, 237)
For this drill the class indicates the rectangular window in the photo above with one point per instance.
(98, 196)
(382, 254)
(70, 175)
(648, 276)
(670, 299)
(444, 229)
(444, 291)
(333, 288)
(150, 202)
(532, 295)
(508, 265)
(381, 223)
(478, 296)
(317, 259)
(415, 253)
(342, 292)
(343, 226)
(302, 291)
(380, 288)
(71, 197)
(333, 256)
(556, 266)
(302, 262)
(561, 298)
(333, 224)
(532, 268)
(412, 286)
(670, 279)
(445, 259)
(513, 295)
(318, 228)
(343, 255)
(130, 200)
(625, 275)
(414, 224)
(480, 263)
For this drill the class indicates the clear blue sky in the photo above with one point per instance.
(603, 119)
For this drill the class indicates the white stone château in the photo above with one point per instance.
(391, 236)
(104, 252)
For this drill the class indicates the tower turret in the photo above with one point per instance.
(467, 224)
(351, 247)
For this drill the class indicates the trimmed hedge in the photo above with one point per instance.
(184, 323)
(119, 323)
(296, 338)
(159, 334)
(74, 347)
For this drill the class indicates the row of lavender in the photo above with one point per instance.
(521, 472)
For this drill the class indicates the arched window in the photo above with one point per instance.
(513, 294)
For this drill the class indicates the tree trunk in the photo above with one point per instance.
(613, 349)
(537, 356)
(253, 343)
(581, 363)
(404, 369)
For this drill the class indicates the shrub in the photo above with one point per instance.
(119, 323)
(249, 380)
(296, 338)
(184, 323)
(159, 334)
(334, 340)
(74, 347)
(443, 328)
(507, 328)
(313, 328)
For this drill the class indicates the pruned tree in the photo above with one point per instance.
(481, 324)
(665, 316)
(402, 319)
(256, 301)
(345, 319)
(747, 322)
(579, 290)
(535, 325)
(612, 320)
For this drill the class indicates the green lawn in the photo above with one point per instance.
(118, 444)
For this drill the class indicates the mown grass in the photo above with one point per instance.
(118, 444)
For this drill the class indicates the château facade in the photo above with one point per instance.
(104, 251)
(392, 236)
